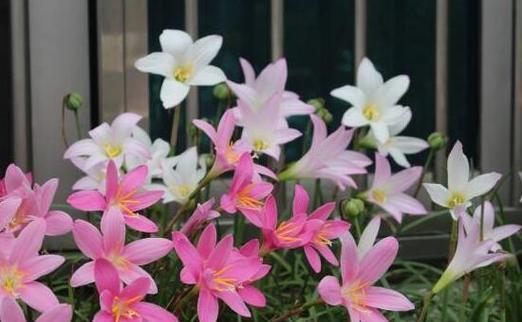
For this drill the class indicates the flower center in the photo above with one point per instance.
(223, 283)
(11, 280)
(112, 151)
(371, 113)
(287, 232)
(183, 190)
(245, 199)
(122, 309)
(260, 145)
(183, 73)
(356, 295)
(19, 219)
(456, 199)
(124, 201)
(118, 260)
(231, 156)
(379, 196)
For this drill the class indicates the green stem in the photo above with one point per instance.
(427, 164)
(453, 239)
(77, 122)
(175, 127)
(425, 307)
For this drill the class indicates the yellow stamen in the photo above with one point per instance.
(231, 156)
(284, 230)
(183, 73)
(183, 190)
(11, 280)
(456, 199)
(356, 295)
(260, 145)
(224, 284)
(245, 199)
(322, 240)
(379, 196)
(371, 113)
(121, 309)
(112, 151)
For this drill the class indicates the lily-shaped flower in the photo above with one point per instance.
(398, 146)
(94, 178)
(34, 203)
(10, 311)
(110, 245)
(217, 271)
(228, 153)
(457, 197)
(119, 305)
(245, 194)
(387, 190)
(471, 254)
(183, 63)
(357, 293)
(179, 183)
(328, 158)
(296, 232)
(22, 266)
(256, 92)
(159, 154)
(202, 214)
(374, 103)
(323, 236)
(8, 209)
(109, 142)
(262, 130)
(125, 196)
(486, 216)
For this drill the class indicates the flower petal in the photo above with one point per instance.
(39, 266)
(208, 307)
(61, 312)
(174, 42)
(106, 277)
(350, 94)
(482, 184)
(87, 200)
(38, 296)
(10, 311)
(141, 223)
(152, 312)
(87, 238)
(378, 260)
(156, 63)
(83, 275)
(147, 250)
(368, 237)
(386, 299)
(208, 76)
(330, 290)
(29, 242)
(113, 230)
(235, 302)
(58, 223)
(252, 296)
(313, 258)
(458, 169)
(368, 78)
(172, 92)
(438, 193)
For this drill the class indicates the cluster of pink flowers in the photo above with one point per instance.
(126, 173)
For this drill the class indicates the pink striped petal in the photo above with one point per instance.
(88, 239)
(134, 179)
(235, 302)
(106, 277)
(301, 200)
(145, 199)
(147, 250)
(252, 296)
(39, 266)
(8, 209)
(83, 275)
(38, 296)
(111, 180)
(58, 223)
(207, 241)
(136, 289)
(61, 313)
(113, 230)
(349, 262)
(29, 242)
(186, 252)
(132, 272)
(386, 299)
(313, 258)
(330, 290)
(378, 260)
(153, 313)
(141, 223)
(10, 311)
(103, 317)
(221, 252)
(87, 200)
(208, 307)
(323, 212)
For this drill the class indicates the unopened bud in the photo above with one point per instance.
(73, 101)
(222, 92)
(325, 115)
(208, 159)
(317, 103)
(437, 141)
(353, 207)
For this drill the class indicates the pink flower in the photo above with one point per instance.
(8, 209)
(293, 233)
(357, 293)
(109, 142)
(228, 153)
(328, 158)
(22, 266)
(126, 196)
(202, 214)
(110, 245)
(471, 253)
(10, 311)
(387, 190)
(488, 222)
(125, 305)
(322, 237)
(272, 80)
(35, 203)
(244, 194)
(219, 272)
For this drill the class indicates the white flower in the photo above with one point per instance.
(374, 102)
(398, 146)
(159, 151)
(184, 63)
(460, 189)
(179, 182)
(109, 142)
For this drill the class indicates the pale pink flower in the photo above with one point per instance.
(125, 195)
(10, 311)
(328, 158)
(109, 142)
(245, 194)
(255, 92)
(22, 266)
(125, 304)
(35, 203)
(357, 292)
(326, 232)
(219, 272)
(471, 253)
(388, 191)
(461, 190)
(228, 152)
(110, 245)
(202, 214)
(262, 130)
(8, 209)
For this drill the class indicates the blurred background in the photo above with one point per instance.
(464, 58)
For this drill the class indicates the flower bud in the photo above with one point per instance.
(353, 207)
(222, 92)
(192, 130)
(437, 141)
(318, 103)
(73, 101)
(324, 114)
(208, 159)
